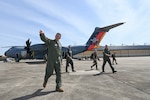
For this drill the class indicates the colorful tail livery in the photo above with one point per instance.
(98, 35)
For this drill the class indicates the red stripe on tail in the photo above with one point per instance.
(94, 43)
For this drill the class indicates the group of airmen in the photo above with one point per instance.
(54, 59)
(106, 58)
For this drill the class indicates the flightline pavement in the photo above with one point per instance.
(23, 81)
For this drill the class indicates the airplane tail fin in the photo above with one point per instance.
(98, 35)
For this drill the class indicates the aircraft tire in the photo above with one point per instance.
(45, 57)
(17, 60)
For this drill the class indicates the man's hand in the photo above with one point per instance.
(41, 32)
(107, 55)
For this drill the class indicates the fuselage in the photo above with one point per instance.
(38, 51)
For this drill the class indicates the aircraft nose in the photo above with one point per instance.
(5, 53)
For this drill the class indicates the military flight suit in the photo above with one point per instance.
(114, 58)
(53, 60)
(69, 60)
(106, 59)
(95, 57)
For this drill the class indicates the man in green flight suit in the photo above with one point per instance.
(53, 60)
(106, 58)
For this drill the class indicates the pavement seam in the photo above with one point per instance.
(129, 84)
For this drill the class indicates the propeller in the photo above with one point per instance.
(28, 43)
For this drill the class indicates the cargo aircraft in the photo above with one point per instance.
(39, 51)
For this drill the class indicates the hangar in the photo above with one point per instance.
(121, 51)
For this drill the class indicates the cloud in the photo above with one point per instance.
(111, 11)
(76, 20)
(68, 22)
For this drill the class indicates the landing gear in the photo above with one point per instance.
(17, 57)
(45, 57)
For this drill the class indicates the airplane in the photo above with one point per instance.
(39, 51)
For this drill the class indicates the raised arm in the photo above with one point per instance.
(43, 37)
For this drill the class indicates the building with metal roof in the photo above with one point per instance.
(121, 51)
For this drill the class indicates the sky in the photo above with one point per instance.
(75, 20)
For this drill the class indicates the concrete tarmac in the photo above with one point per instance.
(23, 81)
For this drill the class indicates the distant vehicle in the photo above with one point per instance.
(39, 51)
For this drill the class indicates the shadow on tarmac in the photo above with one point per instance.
(36, 62)
(101, 73)
(98, 74)
(35, 94)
